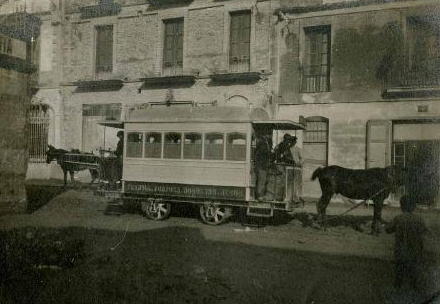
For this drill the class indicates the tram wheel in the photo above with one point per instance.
(157, 211)
(213, 214)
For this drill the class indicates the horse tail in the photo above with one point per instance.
(316, 173)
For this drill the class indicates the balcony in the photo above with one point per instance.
(404, 82)
(101, 10)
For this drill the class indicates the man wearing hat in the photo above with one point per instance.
(288, 152)
(297, 160)
(119, 154)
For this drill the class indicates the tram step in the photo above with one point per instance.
(260, 212)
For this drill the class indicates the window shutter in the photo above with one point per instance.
(173, 47)
(240, 37)
(378, 143)
(104, 49)
(168, 45)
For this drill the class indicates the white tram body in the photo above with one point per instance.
(199, 155)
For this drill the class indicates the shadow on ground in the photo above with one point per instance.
(176, 265)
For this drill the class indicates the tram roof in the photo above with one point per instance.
(255, 116)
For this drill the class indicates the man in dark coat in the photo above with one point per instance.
(119, 152)
(263, 157)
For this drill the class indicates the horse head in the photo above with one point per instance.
(50, 155)
(53, 153)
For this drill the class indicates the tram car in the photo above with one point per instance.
(197, 155)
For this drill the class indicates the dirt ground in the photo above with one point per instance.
(69, 251)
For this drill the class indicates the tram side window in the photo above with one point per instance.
(214, 143)
(153, 145)
(236, 146)
(134, 144)
(192, 147)
(172, 145)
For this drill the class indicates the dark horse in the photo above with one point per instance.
(371, 184)
(71, 163)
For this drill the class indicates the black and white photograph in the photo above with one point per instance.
(219, 151)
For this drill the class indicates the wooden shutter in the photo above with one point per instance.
(379, 139)
(104, 48)
(240, 38)
(173, 47)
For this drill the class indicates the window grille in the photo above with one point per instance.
(173, 47)
(315, 141)
(104, 49)
(316, 68)
(39, 121)
(240, 41)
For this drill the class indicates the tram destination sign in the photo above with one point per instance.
(185, 190)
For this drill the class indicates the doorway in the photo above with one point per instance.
(421, 158)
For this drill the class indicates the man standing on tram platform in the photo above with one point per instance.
(119, 154)
(263, 159)
(297, 160)
(289, 153)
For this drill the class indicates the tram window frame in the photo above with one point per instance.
(207, 155)
(154, 154)
(130, 149)
(230, 147)
(198, 151)
(167, 145)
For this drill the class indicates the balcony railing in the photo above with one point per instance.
(413, 82)
(414, 78)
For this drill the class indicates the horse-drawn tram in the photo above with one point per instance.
(198, 155)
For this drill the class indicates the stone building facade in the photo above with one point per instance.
(365, 74)
(16, 39)
(118, 55)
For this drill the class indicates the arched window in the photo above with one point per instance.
(38, 130)
(315, 143)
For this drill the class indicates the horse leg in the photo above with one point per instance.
(65, 177)
(321, 206)
(94, 174)
(375, 225)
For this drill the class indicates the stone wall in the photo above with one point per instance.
(13, 141)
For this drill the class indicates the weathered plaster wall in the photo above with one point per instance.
(348, 128)
(13, 141)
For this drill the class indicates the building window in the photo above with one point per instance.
(104, 49)
(315, 143)
(39, 120)
(236, 146)
(173, 47)
(240, 41)
(316, 67)
(423, 50)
